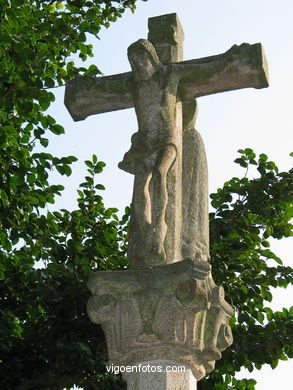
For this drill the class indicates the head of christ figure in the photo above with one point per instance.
(143, 59)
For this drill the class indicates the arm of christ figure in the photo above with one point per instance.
(241, 66)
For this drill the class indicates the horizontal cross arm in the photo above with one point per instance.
(86, 96)
(241, 66)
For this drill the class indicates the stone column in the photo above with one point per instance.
(157, 375)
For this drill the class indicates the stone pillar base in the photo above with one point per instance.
(172, 312)
(160, 375)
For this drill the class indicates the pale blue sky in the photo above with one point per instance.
(260, 119)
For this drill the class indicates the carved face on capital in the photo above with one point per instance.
(143, 59)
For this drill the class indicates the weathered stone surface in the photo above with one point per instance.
(154, 158)
(161, 378)
(167, 307)
(86, 96)
(243, 66)
(173, 312)
(166, 34)
(158, 91)
(195, 216)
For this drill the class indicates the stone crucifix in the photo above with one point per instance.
(169, 219)
(166, 309)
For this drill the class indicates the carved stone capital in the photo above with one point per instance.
(173, 312)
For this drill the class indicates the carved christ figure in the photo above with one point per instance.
(154, 148)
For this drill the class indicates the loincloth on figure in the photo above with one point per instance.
(142, 155)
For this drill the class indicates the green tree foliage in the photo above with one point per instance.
(38, 39)
(249, 212)
(46, 340)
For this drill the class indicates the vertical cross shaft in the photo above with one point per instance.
(166, 34)
(187, 217)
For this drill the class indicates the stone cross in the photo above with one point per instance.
(169, 219)
(166, 310)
